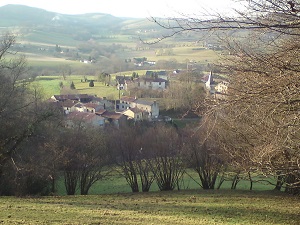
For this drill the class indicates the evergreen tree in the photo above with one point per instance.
(91, 84)
(72, 86)
(57, 48)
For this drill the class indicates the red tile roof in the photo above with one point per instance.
(136, 110)
(112, 115)
(83, 116)
(128, 99)
(92, 105)
(100, 111)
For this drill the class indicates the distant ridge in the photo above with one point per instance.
(20, 15)
(39, 25)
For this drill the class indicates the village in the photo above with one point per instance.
(100, 111)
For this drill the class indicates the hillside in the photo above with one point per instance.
(34, 19)
(19, 15)
(50, 40)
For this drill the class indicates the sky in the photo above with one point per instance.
(128, 8)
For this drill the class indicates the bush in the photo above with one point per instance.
(91, 84)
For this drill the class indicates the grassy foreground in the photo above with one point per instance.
(177, 207)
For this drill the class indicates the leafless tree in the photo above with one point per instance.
(257, 119)
(132, 157)
(85, 155)
(182, 96)
(22, 112)
(279, 16)
(164, 145)
(65, 70)
(123, 144)
(202, 153)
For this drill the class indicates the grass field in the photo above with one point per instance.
(115, 183)
(178, 207)
(50, 86)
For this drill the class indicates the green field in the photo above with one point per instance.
(50, 86)
(181, 55)
(177, 207)
(115, 183)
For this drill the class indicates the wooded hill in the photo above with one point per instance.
(93, 25)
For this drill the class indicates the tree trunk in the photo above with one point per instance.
(71, 180)
(235, 181)
(279, 183)
(251, 181)
(222, 179)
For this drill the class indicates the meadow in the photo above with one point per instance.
(50, 85)
(177, 207)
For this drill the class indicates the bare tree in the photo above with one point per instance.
(277, 16)
(131, 157)
(182, 96)
(164, 145)
(257, 120)
(123, 142)
(65, 70)
(203, 154)
(22, 112)
(93, 159)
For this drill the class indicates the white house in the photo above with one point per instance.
(135, 114)
(150, 107)
(221, 90)
(92, 107)
(157, 74)
(126, 102)
(151, 83)
(143, 108)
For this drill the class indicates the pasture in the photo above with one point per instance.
(50, 86)
(177, 207)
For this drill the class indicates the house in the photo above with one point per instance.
(157, 74)
(149, 107)
(150, 83)
(122, 82)
(114, 118)
(78, 107)
(84, 117)
(151, 63)
(135, 114)
(75, 97)
(125, 102)
(222, 87)
(106, 104)
(67, 105)
(88, 109)
(92, 107)
(221, 90)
